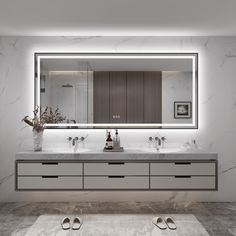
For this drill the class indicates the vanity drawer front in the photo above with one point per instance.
(116, 182)
(116, 168)
(183, 168)
(50, 168)
(181, 182)
(50, 182)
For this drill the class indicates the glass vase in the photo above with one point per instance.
(38, 141)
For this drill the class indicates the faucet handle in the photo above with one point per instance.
(163, 138)
(150, 139)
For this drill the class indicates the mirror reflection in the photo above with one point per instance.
(127, 91)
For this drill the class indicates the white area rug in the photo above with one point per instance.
(116, 225)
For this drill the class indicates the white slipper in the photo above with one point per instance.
(65, 223)
(159, 222)
(170, 223)
(77, 222)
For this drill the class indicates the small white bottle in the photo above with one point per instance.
(116, 140)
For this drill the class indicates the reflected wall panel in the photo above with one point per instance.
(135, 97)
(152, 96)
(101, 97)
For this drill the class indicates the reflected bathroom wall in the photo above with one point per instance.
(178, 87)
(71, 92)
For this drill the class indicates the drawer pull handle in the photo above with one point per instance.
(116, 163)
(182, 176)
(49, 176)
(49, 163)
(182, 163)
(116, 176)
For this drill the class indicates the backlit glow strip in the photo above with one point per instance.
(119, 125)
(194, 91)
(193, 124)
(38, 82)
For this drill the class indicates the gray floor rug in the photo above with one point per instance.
(115, 225)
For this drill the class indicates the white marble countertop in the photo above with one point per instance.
(128, 154)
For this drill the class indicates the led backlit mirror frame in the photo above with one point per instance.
(192, 56)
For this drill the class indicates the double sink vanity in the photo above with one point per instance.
(113, 91)
(144, 169)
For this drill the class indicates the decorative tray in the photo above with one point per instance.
(121, 149)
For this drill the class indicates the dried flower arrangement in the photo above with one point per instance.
(43, 116)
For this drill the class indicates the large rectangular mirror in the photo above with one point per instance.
(122, 90)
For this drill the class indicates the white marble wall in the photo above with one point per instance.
(177, 86)
(67, 98)
(217, 110)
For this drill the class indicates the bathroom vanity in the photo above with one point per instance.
(118, 90)
(130, 170)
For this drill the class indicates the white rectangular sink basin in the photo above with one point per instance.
(154, 150)
(71, 150)
(126, 151)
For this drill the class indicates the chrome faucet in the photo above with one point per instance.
(74, 141)
(158, 141)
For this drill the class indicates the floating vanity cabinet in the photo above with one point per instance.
(49, 175)
(116, 175)
(116, 171)
(181, 175)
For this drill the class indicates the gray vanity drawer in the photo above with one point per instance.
(116, 182)
(183, 168)
(49, 168)
(45, 182)
(192, 182)
(116, 168)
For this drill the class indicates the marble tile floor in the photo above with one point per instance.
(219, 219)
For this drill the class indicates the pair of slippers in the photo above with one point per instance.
(163, 224)
(66, 223)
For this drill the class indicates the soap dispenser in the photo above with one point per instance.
(109, 142)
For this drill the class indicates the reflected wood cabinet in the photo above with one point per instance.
(101, 97)
(118, 97)
(152, 97)
(135, 99)
(127, 97)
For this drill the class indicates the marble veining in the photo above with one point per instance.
(5, 178)
(15, 100)
(229, 169)
(80, 39)
(4, 82)
(217, 89)
(218, 219)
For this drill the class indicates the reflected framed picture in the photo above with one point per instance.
(182, 110)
